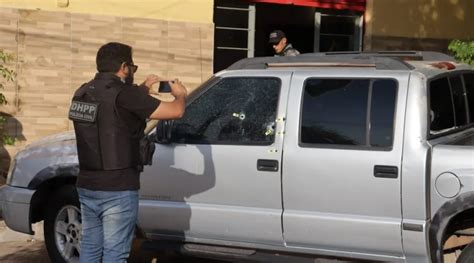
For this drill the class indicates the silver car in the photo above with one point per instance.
(355, 156)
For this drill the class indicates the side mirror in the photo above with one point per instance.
(163, 132)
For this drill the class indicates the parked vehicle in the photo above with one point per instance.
(351, 155)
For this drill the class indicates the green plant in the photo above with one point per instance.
(7, 76)
(463, 51)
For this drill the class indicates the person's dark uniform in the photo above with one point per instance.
(289, 50)
(108, 147)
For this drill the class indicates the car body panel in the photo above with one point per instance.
(216, 191)
(330, 192)
(15, 208)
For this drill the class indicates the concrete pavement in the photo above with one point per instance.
(8, 235)
(23, 252)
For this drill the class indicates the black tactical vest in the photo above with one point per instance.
(104, 141)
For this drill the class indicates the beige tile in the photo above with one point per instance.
(89, 33)
(57, 51)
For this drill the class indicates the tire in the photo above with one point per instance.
(62, 226)
(467, 254)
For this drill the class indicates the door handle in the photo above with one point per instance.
(267, 165)
(385, 171)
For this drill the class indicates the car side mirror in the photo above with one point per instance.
(163, 132)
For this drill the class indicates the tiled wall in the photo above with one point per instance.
(55, 53)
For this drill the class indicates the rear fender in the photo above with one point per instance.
(438, 230)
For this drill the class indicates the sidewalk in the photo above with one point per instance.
(22, 248)
(8, 235)
(23, 252)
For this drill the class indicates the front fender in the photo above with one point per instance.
(54, 171)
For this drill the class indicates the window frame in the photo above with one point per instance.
(213, 84)
(465, 99)
(468, 104)
(456, 129)
(367, 146)
(249, 49)
(358, 28)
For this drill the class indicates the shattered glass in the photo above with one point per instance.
(237, 110)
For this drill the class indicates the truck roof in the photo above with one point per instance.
(426, 62)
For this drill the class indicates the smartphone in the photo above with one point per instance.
(164, 87)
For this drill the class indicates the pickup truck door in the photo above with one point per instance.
(342, 160)
(220, 177)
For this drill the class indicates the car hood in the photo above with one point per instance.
(54, 146)
(52, 152)
(53, 139)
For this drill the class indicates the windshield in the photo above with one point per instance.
(151, 124)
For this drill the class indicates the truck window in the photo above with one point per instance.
(236, 111)
(384, 96)
(469, 84)
(459, 100)
(441, 106)
(351, 112)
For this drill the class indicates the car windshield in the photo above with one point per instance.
(151, 124)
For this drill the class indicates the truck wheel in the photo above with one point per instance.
(62, 226)
(467, 254)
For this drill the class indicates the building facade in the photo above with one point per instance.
(417, 24)
(242, 27)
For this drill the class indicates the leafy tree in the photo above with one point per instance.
(463, 51)
(7, 75)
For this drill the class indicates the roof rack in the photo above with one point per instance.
(383, 60)
(404, 55)
(318, 64)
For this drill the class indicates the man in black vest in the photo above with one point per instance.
(109, 114)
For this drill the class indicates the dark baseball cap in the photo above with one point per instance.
(276, 36)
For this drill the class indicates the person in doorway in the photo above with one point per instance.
(109, 114)
(280, 44)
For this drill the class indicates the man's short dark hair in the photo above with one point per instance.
(111, 56)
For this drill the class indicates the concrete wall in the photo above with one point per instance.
(417, 24)
(55, 53)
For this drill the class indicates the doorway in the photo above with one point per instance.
(296, 21)
(242, 28)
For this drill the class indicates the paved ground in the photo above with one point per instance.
(17, 247)
(35, 251)
(23, 251)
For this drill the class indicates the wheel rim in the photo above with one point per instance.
(67, 233)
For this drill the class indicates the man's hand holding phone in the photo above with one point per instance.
(171, 110)
(149, 82)
(178, 89)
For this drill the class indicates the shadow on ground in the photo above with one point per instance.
(23, 252)
(35, 251)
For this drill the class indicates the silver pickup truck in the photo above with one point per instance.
(360, 156)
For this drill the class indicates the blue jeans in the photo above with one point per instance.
(108, 224)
